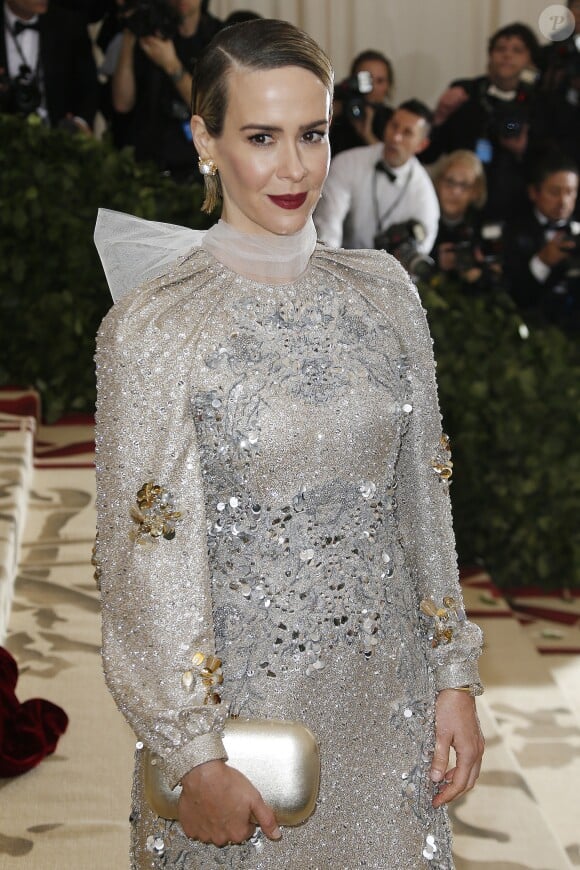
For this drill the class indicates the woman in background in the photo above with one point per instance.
(459, 180)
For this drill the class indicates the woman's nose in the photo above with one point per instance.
(291, 165)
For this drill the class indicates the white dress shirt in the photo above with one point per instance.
(357, 200)
(27, 41)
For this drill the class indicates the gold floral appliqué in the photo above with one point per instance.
(206, 669)
(442, 464)
(154, 513)
(445, 619)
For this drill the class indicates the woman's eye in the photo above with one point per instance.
(261, 138)
(315, 136)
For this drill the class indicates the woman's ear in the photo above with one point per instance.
(202, 139)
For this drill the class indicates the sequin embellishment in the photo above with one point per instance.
(155, 845)
(154, 513)
(430, 847)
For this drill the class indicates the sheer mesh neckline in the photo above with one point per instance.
(266, 259)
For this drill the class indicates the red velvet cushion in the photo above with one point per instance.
(28, 731)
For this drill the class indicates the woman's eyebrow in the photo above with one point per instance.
(270, 128)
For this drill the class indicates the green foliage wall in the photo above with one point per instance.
(53, 293)
(510, 398)
(510, 404)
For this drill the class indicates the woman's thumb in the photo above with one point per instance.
(265, 818)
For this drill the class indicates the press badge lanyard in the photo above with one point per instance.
(381, 218)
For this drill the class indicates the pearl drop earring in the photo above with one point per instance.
(207, 166)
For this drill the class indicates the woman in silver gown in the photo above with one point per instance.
(273, 490)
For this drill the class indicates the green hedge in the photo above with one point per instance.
(53, 293)
(510, 404)
(510, 399)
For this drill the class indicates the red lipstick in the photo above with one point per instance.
(289, 200)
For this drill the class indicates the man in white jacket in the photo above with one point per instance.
(371, 188)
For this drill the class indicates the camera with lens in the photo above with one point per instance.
(491, 242)
(490, 245)
(402, 241)
(572, 234)
(465, 258)
(508, 119)
(351, 93)
(480, 249)
(151, 18)
(464, 246)
(20, 95)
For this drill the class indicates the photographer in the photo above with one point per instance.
(559, 98)
(542, 248)
(368, 190)
(46, 64)
(494, 116)
(359, 113)
(463, 248)
(152, 80)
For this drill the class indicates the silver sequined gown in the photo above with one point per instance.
(296, 428)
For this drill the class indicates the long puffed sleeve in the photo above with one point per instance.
(424, 471)
(158, 642)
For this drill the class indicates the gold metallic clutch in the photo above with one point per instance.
(280, 758)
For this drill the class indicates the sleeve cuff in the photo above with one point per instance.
(539, 270)
(206, 747)
(457, 674)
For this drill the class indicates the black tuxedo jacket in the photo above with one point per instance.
(70, 75)
(554, 299)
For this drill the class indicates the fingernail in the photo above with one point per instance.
(277, 833)
(436, 775)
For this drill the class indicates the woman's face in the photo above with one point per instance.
(273, 153)
(456, 189)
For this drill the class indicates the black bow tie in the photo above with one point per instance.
(558, 226)
(20, 26)
(382, 167)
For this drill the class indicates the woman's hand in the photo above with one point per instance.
(219, 805)
(457, 725)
